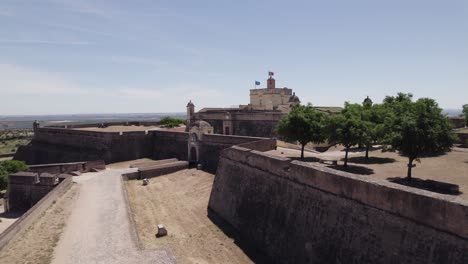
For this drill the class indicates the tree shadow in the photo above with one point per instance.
(306, 159)
(370, 160)
(428, 185)
(363, 149)
(243, 243)
(353, 169)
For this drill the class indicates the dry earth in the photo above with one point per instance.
(450, 168)
(37, 243)
(179, 201)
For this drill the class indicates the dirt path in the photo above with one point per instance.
(37, 243)
(179, 201)
(98, 229)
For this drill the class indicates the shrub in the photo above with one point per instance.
(171, 121)
(8, 167)
(3, 178)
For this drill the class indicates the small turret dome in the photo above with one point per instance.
(190, 104)
(201, 124)
(294, 99)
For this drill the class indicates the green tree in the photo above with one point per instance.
(8, 167)
(303, 124)
(418, 129)
(465, 113)
(347, 128)
(373, 117)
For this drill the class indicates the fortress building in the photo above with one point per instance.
(257, 119)
(272, 98)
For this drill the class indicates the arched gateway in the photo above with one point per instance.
(197, 131)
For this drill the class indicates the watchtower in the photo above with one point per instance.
(271, 81)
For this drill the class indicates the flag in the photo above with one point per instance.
(257, 83)
(271, 73)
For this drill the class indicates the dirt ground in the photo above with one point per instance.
(179, 201)
(449, 168)
(37, 243)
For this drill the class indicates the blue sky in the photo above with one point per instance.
(116, 56)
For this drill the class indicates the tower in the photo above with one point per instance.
(190, 112)
(271, 81)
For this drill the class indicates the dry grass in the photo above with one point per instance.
(179, 201)
(37, 243)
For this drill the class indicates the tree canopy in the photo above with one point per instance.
(303, 124)
(347, 128)
(418, 128)
(171, 121)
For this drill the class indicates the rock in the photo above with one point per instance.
(162, 231)
(145, 182)
(199, 167)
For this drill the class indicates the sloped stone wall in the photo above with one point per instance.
(298, 213)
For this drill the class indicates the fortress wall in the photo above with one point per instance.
(213, 145)
(169, 144)
(54, 145)
(463, 137)
(247, 123)
(130, 146)
(457, 122)
(266, 128)
(300, 213)
(43, 153)
(74, 138)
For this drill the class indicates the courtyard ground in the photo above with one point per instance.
(450, 168)
(179, 201)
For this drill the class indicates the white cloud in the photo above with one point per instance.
(38, 41)
(19, 80)
(141, 94)
(81, 6)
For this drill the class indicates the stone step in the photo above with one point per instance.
(146, 163)
(158, 170)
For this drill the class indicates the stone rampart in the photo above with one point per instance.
(457, 122)
(28, 218)
(25, 189)
(162, 169)
(300, 213)
(212, 145)
(59, 145)
(244, 123)
(58, 168)
(169, 144)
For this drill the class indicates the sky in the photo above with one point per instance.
(147, 56)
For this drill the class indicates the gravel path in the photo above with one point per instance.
(99, 230)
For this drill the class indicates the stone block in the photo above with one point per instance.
(162, 231)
